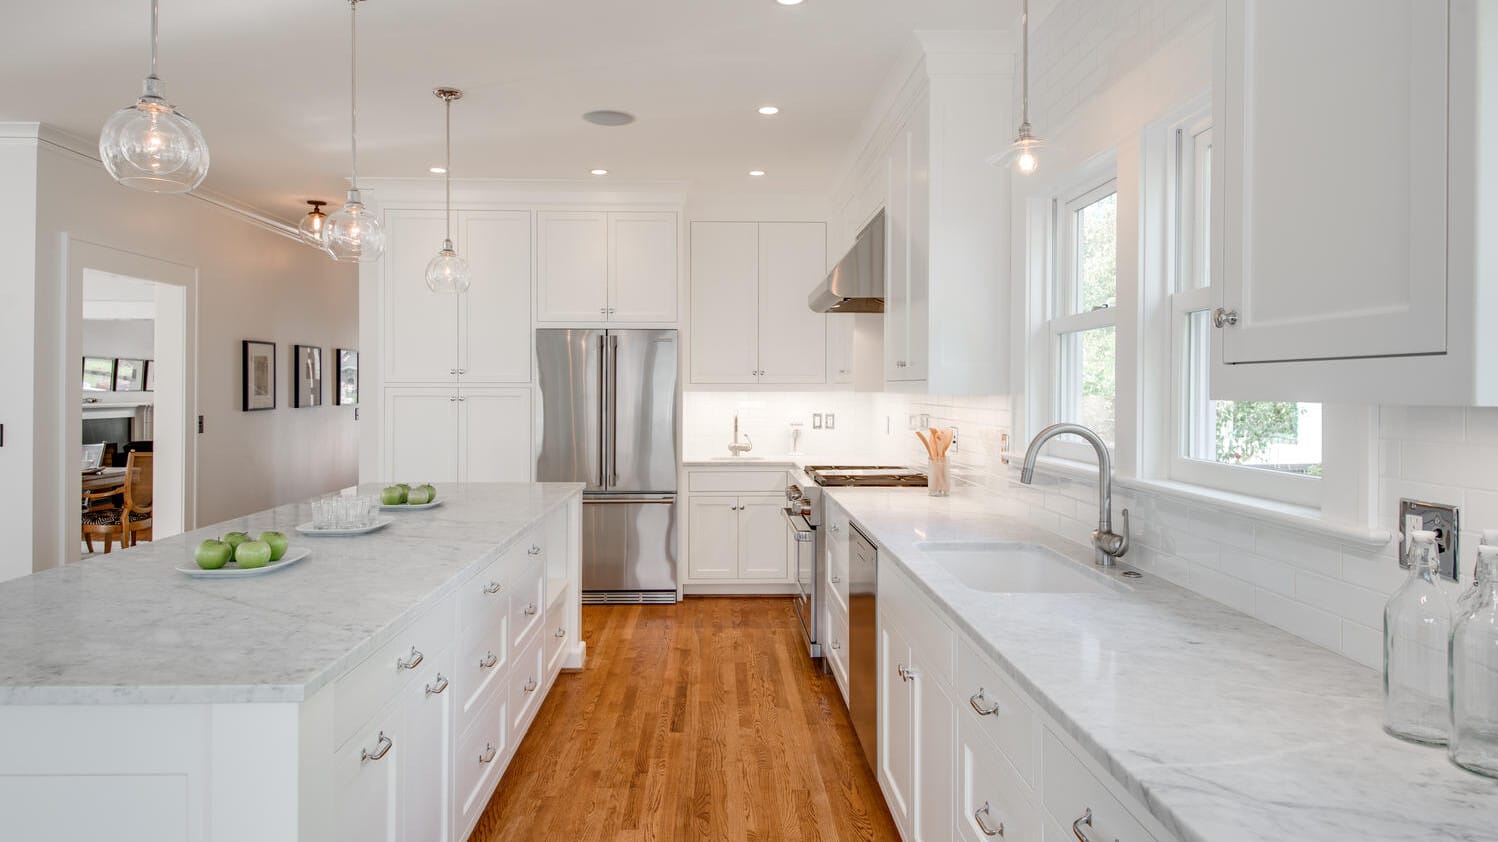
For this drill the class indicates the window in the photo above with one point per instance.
(1083, 317)
(1263, 448)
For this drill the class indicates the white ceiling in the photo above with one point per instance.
(267, 81)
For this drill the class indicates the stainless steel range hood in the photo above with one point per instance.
(856, 283)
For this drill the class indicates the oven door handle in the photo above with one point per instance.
(801, 530)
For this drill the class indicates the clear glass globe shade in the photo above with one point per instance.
(1026, 163)
(447, 272)
(311, 226)
(352, 234)
(151, 146)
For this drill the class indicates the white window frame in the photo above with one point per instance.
(1187, 237)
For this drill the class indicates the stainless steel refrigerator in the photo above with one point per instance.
(609, 419)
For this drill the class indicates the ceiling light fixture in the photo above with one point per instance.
(353, 234)
(311, 224)
(769, 110)
(150, 145)
(789, 2)
(609, 118)
(1022, 151)
(756, 173)
(438, 170)
(598, 172)
(447, 272)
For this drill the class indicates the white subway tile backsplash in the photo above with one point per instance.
(1363, 644)
(1230, 591)
(1298, 550)
(1319, 627)
(1423, 423)
(1260, 571)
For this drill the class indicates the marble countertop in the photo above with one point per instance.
(1226, 728)
(128, 628)
(753, 460)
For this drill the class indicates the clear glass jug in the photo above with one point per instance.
(1417, 633)
(1474, 673)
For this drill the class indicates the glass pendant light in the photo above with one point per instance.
(150, 145)
(311, 224)
(1023, 151)
(352, 234)
(447, 272)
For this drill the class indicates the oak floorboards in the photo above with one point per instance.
(703, 720)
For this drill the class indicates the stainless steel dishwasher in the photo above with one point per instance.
(863, 643)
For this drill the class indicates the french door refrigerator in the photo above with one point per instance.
(608, 419)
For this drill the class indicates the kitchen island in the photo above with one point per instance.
(340, 698)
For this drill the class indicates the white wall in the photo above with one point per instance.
(252, 284)
(766, 417)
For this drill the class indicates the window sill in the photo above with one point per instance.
(1303, 519)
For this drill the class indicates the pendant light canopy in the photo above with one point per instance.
(311, 224)
(1023, 152)
(447, 272)
(352, 234)
(150, 145)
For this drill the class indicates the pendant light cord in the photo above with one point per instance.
(1024, 21)
(155, 13)
(447, 175)
(353, 75)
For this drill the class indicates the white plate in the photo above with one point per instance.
(407, 507)
(232, 571)
(308, 529)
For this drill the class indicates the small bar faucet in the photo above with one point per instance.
(736, 448)
(1107, 544)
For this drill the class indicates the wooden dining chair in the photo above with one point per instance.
(128, 523)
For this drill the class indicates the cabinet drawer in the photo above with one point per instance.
(925, 631)
(478, 760)
(835, 567)
(1011, 724)
(376, 680)
(737, 482)
(523, 556)
(368, 781)
(1070, 790)
(483, 600)
(527, 605)
(527, 681)
(480, 671)
(836, 648)
(555, 632)
(990, 793)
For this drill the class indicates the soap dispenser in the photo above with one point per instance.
(1474, 673)
(1417, 632)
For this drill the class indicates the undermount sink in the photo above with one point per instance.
(1011, 567)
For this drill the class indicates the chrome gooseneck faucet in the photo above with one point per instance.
(1107, 544)
(736, 448)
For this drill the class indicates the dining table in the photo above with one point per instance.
(106, 478)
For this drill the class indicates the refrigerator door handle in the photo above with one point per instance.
(629, 499)
(613, 405)
(603, 368)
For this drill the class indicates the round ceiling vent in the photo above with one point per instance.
(609, 118)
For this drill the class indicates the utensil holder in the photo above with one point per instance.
(938, 480)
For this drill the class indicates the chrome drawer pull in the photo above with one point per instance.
(530, 685)
(836, 645)
(489, 752)
(382, 748)
(489, 661)
(436, 689)
(534, 550)
(980, 816)
(1083, 820)
(834, 528)
(530, 610)
(906, 673)
(561, 632)
(493, 587)
(976, 701)
(836, 579)
(412, 662)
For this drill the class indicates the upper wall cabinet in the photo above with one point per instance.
(595, 266)
(1345, 200)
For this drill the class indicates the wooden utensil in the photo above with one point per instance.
(930, 448)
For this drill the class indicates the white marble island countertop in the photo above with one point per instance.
(129, 628)
(1225, 727)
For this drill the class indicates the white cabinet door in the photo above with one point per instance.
(425, 760)
(1330, 179)
(897, 260)
(840, 349)
(918, 229)
(418, 344)
(713, 548)
(763, 552)
(494, 433)
(935, 741)
(896, 703)
(572, 266)
(494, 330)
(725, 302)
(367, 781)
(792, 338)
(421, 434)
(642, 267)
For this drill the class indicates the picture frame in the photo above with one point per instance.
(258, 384)
(129, 375)
(346, 391)
(150, 375)
(98, 374)
(307, 376)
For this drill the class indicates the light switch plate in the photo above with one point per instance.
(829, 421)
(816, 420)
(1439, 518)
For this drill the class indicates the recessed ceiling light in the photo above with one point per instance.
(437, 170)
(769, 110)
(609, 118)
(789, 2)
(756, 173)
(599, 172)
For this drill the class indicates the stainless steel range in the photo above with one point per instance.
(803, 516)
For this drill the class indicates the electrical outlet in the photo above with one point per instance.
(955, 442)
(1003, 448)
(200, 423)
(889, 425)
(1439, 518)
(816, 420)
(356, 413)
(829, 421)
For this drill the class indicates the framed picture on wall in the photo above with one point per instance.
(347, 393)
(129, 375)
(308, 384)
(259, 384)
(150, 375)
(98, 374)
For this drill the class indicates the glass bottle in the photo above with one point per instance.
(1417, 634)
(1474, 674)
(1467, 601)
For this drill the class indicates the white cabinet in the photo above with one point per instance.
(907, 262)
(427, 716)
(367, 782)
(494, 432)
(762, 538)
(446, 434)
(1343, 195)
(736, 538)
(418, 328)
(840, 350)
(750, 319)
(598, 266)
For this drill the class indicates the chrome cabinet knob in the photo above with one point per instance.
(382, 748)
(411, 661)
(1222, 317)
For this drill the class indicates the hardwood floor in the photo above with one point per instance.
(703, 720)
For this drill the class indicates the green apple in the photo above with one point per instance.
(419, 496)
(213, 554)
(252, 554)
(234, 539)
(278, 544)
(392, 496)
(404, 486)
(431, 491)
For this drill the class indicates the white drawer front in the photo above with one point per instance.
(478, 761)
(483, 600)
(924, 630)
(993, 803)
(836, 648)
(368, 781)
(737, 482)
(480, 672)
(376, 680)
(835, 571)
(527, 683)
(1071, 792)
(555, 631)
(527, 606)
(1009, 721)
